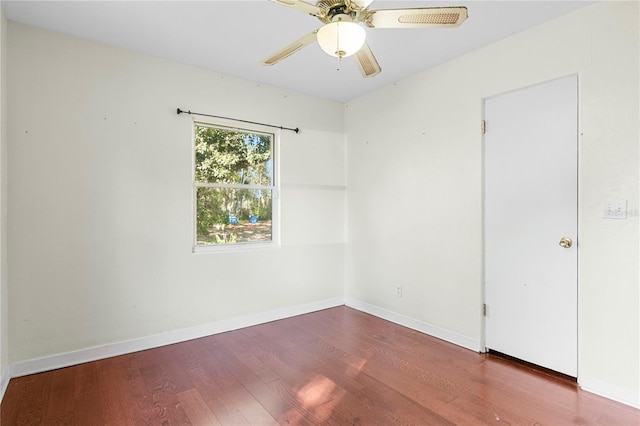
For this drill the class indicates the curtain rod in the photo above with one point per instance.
(297, 130)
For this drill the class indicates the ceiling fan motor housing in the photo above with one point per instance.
(335, 10)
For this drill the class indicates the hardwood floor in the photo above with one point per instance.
(333, 367)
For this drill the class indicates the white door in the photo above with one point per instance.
(530, 214)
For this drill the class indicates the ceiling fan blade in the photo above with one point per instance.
(367, 63)
(289, 50)
(302, 6)
(426, 17)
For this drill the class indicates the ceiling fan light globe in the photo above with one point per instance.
(341, 39)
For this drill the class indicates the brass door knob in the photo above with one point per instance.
(565, 242)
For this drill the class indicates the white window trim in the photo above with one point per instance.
(275, 188)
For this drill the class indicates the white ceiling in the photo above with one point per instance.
(231, 37)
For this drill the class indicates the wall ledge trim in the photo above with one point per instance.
(95, 353)
(423, 327)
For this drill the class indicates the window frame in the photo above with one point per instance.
(274, 188)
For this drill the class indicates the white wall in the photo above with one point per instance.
(100, 198)
(99, 194)
(4, 318)
(415, 188)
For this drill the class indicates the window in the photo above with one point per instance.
(234, 187)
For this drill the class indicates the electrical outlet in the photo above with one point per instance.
(614, 209)
(398, 290)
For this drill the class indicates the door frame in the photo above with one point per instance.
(483, 318)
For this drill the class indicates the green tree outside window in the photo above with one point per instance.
(234, 185)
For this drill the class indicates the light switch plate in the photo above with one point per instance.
(614, 209)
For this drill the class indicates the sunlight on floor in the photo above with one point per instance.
(320, 396)
(354, 369)
(316, 392)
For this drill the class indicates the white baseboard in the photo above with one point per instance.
(4, 382)
(609, 391)
(53, 362)
(589, 384)
(432, 330)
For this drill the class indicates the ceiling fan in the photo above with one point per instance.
(342, 35)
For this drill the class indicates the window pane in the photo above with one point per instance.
(233, 156)
(227, 216)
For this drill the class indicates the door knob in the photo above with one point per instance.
(565, 242)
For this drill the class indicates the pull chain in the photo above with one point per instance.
(339, 52)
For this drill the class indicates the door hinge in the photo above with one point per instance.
(484, 127)
(484, 309)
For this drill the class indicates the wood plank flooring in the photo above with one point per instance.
(333, 367)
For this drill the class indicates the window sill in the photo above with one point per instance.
(233, 248)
